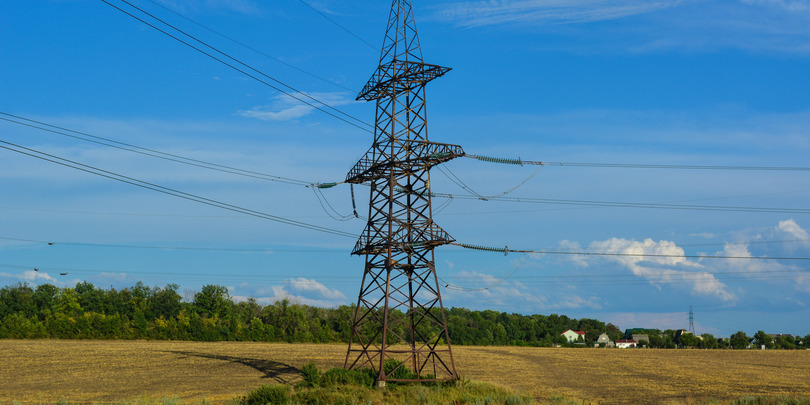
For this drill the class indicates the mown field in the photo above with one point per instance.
(44, 371)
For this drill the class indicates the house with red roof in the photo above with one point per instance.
(573, 335)
(626, 344)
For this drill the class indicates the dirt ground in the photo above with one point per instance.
(44, 371)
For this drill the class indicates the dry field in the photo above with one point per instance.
(43, 371)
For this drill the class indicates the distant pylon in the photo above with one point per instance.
(691, 320)
(399, 313)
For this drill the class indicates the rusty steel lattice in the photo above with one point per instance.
(399, 313)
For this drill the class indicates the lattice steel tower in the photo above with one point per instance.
(399, 313)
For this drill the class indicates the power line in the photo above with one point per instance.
(506, 250)
(249, 47)
(338, 25)
(297, 95)
(154, 247)
(166, 190)
(521, 162)
(150, 152)
(284, 278)
(619, 204)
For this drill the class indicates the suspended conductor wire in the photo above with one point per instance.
(619, 204)
(520, 263)
(338, 25)
(507, 250)
(250, 47)
(166, 190)
(149, 152)
(296, 94)
(169, 248)
(443, 206)
(456, 180)
(520, 162)
(328, 208)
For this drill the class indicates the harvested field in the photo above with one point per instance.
(89, 371)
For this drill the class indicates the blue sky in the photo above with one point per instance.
(690, 82)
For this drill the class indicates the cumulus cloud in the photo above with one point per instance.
(479, 13)
(310, 287)
(30, 276)
(793, 229)
(290, 107)
(496, 292)
(662, 262)
(297, 290)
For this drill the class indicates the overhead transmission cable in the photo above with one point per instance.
(173, 157)
(506, 250)
(520, 162)
(619, 204)
(149, 152)
(338, 25)
(249, 47)
(169, 248)
(294, 93)
(166, 190)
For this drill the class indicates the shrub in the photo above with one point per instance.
(268, 394)
(396, 370)
(311, 375)
(341, 376)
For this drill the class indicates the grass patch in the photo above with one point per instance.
(354, 387)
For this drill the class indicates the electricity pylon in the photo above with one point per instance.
(399, 313)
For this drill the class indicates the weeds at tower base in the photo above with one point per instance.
(341, 386)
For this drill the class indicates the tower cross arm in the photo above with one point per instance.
(397, 76)
(423, 154)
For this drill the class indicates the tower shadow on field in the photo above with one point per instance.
(271, 369)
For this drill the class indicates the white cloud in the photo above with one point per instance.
(308, 286)
(770, 25)
(479, 13)
(286, 107)
(36, 277)
(498, 293)
(661, 263)
(297, 290)
(792, 228)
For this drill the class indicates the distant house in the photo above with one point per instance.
(628, 333)
(640, 337)
(603, 338)
(626, 343)
(573, 335)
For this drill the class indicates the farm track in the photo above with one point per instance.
(44, 371)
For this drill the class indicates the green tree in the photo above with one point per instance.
(763, 339)
(45, 297)
(213, 300)
(164, 302)
(739, 340)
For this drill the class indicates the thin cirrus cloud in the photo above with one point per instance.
(481, 13)
(241, 6)
(285, 107)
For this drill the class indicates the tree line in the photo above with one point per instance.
(670, 339)
(160, 313)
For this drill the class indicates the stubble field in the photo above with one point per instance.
(44, 371)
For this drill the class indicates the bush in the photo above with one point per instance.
(341, 376)
(396, 370)
(311, 375)
(268, 394)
